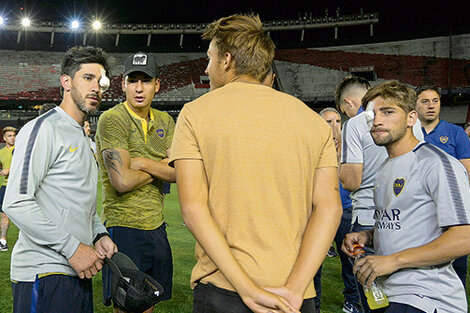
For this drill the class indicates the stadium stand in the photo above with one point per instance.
(29, 75)
(310, 74)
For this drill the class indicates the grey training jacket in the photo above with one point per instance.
(51, 195)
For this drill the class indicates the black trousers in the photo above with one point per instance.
(211, 299)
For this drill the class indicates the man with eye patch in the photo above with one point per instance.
(447, 136)
(51, 196)
(422, 216)
(133, 142)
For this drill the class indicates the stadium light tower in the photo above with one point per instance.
(75, 24)
(96, 25)
(26, 22)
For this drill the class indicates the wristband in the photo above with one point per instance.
(99, 236)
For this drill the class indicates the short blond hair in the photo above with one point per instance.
(9, 129)
(394, 91)
(243, 37)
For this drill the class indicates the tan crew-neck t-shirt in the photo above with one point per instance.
(260, 149)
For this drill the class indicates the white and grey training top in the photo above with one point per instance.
(419, 195)
(358, 147)
(51, 195)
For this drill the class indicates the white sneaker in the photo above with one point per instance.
(350, 307)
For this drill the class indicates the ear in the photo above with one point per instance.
(228, 59)
(349, 102)
(157, 85)
(411, 119)
(123, 84)
(66, 82)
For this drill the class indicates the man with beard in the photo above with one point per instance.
(360, 157)
(51, 196)
(133, 141)
(422, 218)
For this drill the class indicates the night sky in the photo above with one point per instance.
(396, 15)
(398, 20)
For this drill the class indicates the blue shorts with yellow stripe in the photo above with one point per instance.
(53, 293)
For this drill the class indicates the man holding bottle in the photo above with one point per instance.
(422, 218)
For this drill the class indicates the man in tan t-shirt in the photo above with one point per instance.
(257, 179)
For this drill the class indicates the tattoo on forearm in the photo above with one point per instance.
(112, 159)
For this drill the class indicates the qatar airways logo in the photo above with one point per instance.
(387, 219)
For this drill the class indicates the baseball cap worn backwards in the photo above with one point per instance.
(131, 289)
(141, 62)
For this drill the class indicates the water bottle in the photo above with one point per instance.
(376, 298)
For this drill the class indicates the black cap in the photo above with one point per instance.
(131, 289)
(141, 62)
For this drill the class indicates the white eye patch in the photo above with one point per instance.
(369, 114)
(104, 81)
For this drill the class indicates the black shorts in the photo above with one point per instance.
(166, 188)
(53, 294)
(2, 195)
(151, 253)
(209, 298)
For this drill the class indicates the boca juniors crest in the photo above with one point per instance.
(443, 139)
(160, 132)
(398, 186)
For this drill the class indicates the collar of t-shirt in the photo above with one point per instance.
(424, 130)
(143, 121)
(69, 118)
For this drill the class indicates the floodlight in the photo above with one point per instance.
(1, 20)
(75, 24)
(96, 25)
(26, 22)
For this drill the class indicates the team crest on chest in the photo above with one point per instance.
(398, 186)
(160, 132)
(443, 139)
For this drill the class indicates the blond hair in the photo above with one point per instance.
(394, 91)
(242, 36)
(9, 129)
